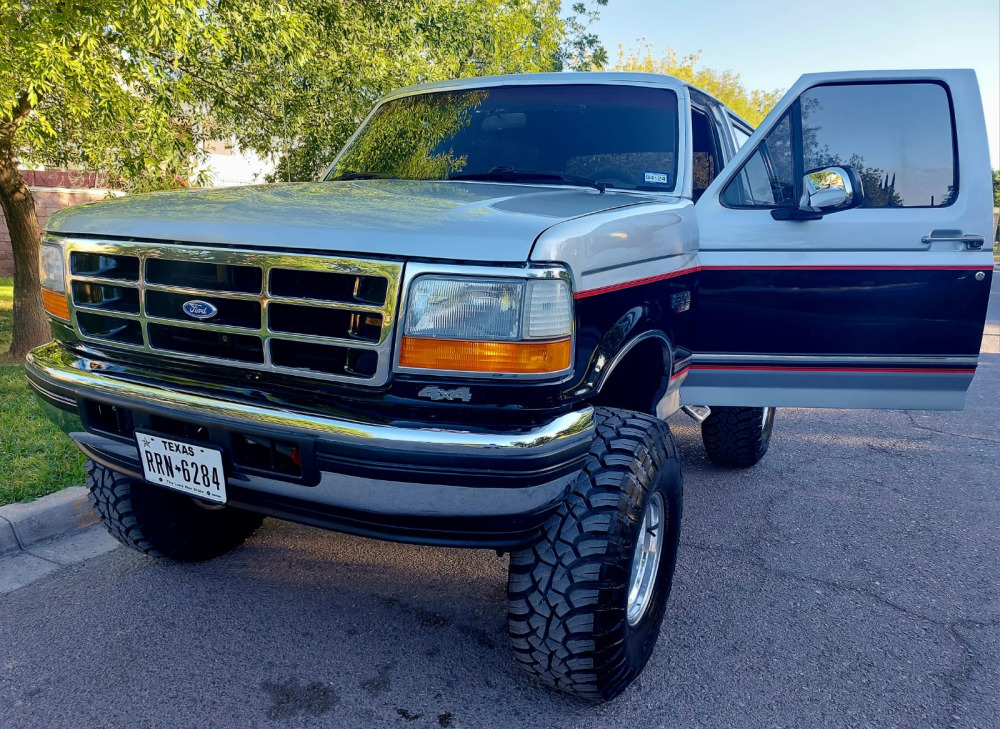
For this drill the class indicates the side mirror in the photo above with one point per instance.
(832, 188)
(825, 190)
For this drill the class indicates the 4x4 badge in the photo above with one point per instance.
(436, 393)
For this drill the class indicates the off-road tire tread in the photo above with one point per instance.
(176, 528)
(553, 631)
(735, 436)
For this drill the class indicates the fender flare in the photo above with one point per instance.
(600, 376)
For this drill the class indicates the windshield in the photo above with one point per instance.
(621, 136)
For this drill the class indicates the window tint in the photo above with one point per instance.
(766, 178)
(625, 136)
(741, 136)
(705, 162)
(898, 137)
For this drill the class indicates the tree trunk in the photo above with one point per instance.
(30, 325)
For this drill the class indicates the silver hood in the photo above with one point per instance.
(460, 221)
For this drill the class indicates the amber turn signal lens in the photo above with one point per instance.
(464, 356)
(55, 303)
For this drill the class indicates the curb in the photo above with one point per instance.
(23, 526)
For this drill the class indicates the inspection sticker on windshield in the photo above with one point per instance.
(656, 178)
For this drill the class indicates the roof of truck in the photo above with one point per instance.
(561, 78)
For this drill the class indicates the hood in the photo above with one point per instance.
(452, 220)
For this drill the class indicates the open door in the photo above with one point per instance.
(845, 251)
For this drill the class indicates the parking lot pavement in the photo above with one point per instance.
(849, 580)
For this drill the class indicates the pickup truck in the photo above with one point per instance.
(472, 329)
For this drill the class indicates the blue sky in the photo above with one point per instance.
(771, 43)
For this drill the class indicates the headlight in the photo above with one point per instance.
(511, 326)
(52, 271)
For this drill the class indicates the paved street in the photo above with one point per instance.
(850, 580)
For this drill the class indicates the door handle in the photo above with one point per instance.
(972, 242)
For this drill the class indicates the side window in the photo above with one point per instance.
(898, 137)
(707, 160)
(741, 136)
(766, 179)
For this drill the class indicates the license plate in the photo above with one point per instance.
(186, 467)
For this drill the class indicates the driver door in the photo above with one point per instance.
(870, 296)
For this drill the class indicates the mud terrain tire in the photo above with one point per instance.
(737, 437)
(569, 600)
(163, 523)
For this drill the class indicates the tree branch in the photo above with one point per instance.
(21, 109)
(211, 84)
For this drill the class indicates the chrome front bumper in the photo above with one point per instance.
(474, 487)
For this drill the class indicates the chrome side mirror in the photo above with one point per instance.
(832, 188)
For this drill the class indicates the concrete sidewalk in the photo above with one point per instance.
(41, 536)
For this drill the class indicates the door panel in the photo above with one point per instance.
(858, 308)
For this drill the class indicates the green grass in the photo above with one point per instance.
(36, 458)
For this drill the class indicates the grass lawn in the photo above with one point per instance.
(36, 458)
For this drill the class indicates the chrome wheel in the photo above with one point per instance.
(763, 419)
(646, 559)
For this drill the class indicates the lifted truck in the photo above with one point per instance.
(471, 332)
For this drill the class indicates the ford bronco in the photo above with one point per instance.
(471, 330)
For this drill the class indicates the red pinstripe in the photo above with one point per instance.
(695, 269)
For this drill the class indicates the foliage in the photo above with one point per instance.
(132, 88)
(727, 86)
(90, 85)
(996, 188)
(301, 82)
(402, 139)
(581, 49)
(36, 458)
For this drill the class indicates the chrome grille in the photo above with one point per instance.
(316, 316)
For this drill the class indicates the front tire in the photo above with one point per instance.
(163, 523)
(586, 601)
(737, 437)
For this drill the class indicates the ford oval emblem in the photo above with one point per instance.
(198, 309)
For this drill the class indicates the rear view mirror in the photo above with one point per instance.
(500, 120)
(832, 188)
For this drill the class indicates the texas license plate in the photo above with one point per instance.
(186, 467)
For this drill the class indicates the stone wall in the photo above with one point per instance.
(47, 201)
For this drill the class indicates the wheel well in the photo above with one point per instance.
(637, 382)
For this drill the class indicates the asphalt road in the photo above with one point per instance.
(850, 580)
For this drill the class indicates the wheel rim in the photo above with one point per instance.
(646, 559)
(764, 417)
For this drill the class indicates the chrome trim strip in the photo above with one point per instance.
(265, 262)
(699, 357)
(54, 363)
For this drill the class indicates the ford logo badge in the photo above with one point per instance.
(199, 309)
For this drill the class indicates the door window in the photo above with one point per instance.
(898, 137)
(766, 179)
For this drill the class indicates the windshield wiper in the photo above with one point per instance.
(352, 175)
(506, 173)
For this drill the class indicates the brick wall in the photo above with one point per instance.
(47, 201)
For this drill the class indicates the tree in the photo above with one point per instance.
(581, 49)
(86, 85)
(996, 188)
(727, 86)
(132, 87)
(302, 101)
